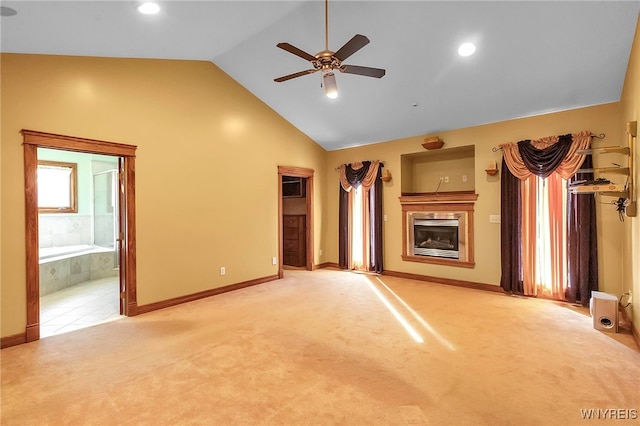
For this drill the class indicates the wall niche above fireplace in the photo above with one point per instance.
(421, 171)
(438, 228)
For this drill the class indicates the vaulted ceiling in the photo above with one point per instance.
(532, 57)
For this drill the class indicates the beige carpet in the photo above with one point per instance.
(321, 348)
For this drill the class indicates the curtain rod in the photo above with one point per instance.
(384, 163)
(600, 136)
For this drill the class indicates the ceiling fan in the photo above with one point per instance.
(328, 61)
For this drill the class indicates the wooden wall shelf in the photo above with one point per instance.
(616, 170)
(608, 189)
(611, 189)
(605, 150)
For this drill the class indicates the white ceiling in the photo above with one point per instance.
(533, 57)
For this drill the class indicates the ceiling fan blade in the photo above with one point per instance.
(292, 49)
(356, 43)
(290, 76)
(366, 71)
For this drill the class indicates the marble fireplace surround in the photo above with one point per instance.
(417, 206)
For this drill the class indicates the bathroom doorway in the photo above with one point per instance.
(99, 225)
(78, 229)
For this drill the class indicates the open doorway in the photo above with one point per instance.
(78, 228)
(295, 218)
(118, 259)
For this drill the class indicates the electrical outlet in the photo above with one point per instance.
(446, 179)
(494, 218)
(223, 270)
(274, 260)
(464, 178)
(320, 252)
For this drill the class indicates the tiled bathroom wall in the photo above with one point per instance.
(56, 230)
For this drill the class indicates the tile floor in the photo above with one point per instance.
(79, 306)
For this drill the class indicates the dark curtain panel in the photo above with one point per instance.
(343, 229)
(510, 216)
(582, 244)
(375, 220)
(355, 177)
(542, 162)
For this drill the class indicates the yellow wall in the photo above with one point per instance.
(631, 112)
(192, 124)
(206, 166)
(598, 119)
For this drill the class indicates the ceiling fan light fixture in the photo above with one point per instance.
(327, 61)
(149, 8)
(466, 49)
(329, 84)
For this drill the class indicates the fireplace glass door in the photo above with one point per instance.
(436, 237)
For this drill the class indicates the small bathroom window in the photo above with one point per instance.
(57, 187)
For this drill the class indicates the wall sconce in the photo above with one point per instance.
(386, 175)
(493, 168)
(433, 143)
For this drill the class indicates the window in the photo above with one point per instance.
(551, 238)
(358, 230)
(57, 187)
(293, 187)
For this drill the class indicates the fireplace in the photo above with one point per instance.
(438, 229)
(437, 237)
(437, 234)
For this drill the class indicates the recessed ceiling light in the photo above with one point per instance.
(466, 49)
(7, 11)
(149, 8)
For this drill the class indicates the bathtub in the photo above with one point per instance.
(49, 254)
(62, 267)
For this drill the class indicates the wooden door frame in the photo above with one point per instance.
(303, 173)
(32, 140)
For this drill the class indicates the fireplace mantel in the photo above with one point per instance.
(415, 206)
(440, 197)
